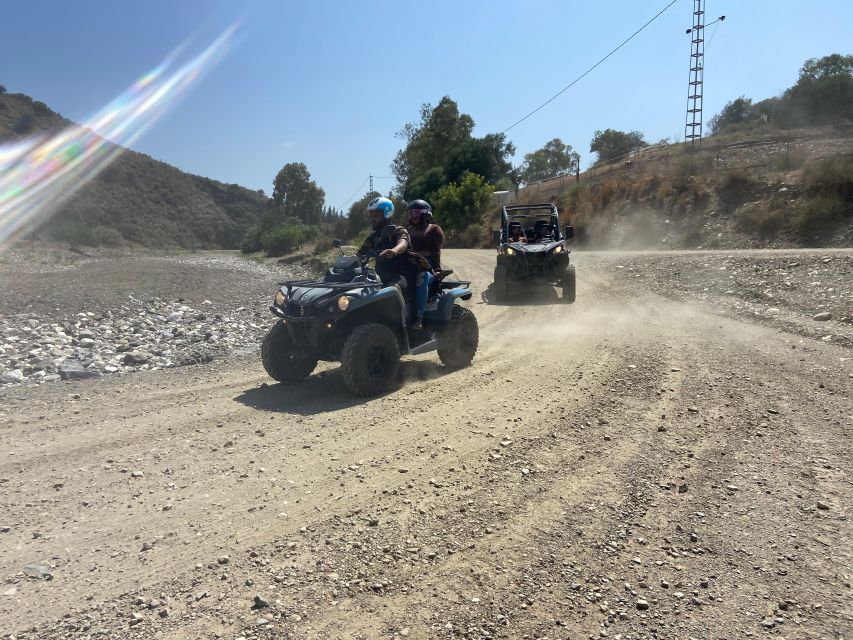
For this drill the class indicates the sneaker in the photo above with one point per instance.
(418, 323)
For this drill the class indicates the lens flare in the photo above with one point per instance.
(38, 174)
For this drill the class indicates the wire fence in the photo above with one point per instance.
(781, 151)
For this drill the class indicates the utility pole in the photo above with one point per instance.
(693, 121)
(371, 184)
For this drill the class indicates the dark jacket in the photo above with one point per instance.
(427, 240)
(407, 264)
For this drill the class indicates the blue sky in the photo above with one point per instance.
(328, 83)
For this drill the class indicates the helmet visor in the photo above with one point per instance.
(418, 212)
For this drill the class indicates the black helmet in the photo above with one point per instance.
(419, 204)
(423, 207)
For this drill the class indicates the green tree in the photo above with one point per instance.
(823, 94)
(430, 141)
(553, 159)
(358, 217)
(296, 195)
(610, 143)
(828, 66)
(736, 111)
(487, 157)
(460, 204)
(426, 184)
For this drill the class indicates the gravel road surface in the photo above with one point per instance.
(666, 458)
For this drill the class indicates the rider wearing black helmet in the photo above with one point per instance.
(426, 239)
(396, 263)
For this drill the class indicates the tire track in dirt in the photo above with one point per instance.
(360, 518)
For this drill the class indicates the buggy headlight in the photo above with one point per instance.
(510, 251)
(279, 299)
(558, 249)
(343, 303)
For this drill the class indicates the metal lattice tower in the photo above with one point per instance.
(693, 122)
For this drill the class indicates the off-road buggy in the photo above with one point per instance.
(349, 316)
(532, 248)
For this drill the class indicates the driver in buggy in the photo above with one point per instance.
(543, 231)
(396, 263)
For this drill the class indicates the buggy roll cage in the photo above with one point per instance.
(507, 215)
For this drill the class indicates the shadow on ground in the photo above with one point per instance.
(531, 294)
(326, 392)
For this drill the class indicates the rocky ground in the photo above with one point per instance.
(667, 458)
(807, 292)
(122, 313)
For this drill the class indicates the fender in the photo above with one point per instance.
(449, 298)
(392, 294)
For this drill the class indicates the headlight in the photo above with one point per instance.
(558, 249)
(510, 251)
(279, 299)
(343, 303)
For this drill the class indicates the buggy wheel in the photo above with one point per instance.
(501, 284)
(569, 284)
(370, 359)
(282, 361)
(457, 344)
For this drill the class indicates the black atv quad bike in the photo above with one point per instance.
(349, 316)
(542, 258)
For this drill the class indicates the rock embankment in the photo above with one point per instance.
(114, 315)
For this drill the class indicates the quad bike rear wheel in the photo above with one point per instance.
(370, 359)
(457, 344)
(282, 360)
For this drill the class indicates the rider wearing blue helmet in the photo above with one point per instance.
(396, 263)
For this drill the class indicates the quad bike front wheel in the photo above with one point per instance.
(370, 359)
(458, 343)
(282, 360)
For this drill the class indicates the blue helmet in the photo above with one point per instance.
(382, 204)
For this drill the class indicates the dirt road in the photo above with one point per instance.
(629, 466)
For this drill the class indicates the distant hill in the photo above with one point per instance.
(148, 202)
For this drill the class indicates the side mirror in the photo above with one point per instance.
(496, 236)
(569, 233)
(337, 243)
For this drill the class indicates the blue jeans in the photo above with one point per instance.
(423, 282)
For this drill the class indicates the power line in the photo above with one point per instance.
(354, 193)
(714, 32)
(588, 71)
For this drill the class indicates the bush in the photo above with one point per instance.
(832, 176)
(760, 221)
(286, 237)
(458, 205)
(577, 194)
(251, 241)
(819, 218)
(736, 188)
(106, 237)
(693, 164)
(74, 232)
(475, 236)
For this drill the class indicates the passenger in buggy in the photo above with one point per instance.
(516, 233)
